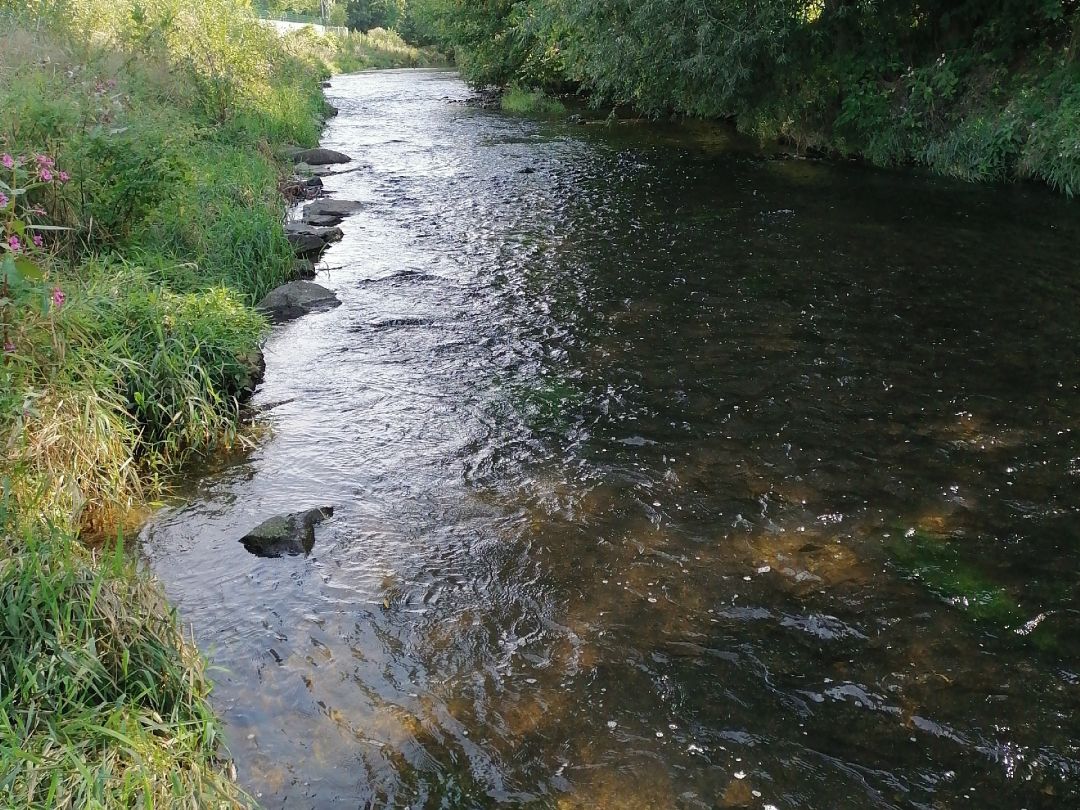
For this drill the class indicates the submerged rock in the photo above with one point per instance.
(295, 299)
(322, 221)
(286, 534)
(320, 157)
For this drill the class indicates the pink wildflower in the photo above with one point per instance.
(64, 177)
(3, 200)
(58, 297)
(45, 175)
(8, 161)
(14, 244)
(44, 161)
(9, 347)
(38, 241)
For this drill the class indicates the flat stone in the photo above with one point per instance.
(331, 208)
(282, 535)
(320, 157)
(323, 220)
(295, 299)
(330, 234)
(306, 245)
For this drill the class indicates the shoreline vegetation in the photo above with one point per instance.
(144, 152)
(980, 91)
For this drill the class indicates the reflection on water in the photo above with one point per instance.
(663, 476)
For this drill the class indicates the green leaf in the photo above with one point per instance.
(28, 270)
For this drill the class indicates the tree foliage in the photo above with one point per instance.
(364, 15)
(974, 88)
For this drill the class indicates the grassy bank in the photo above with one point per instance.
(141, 154)
(521, 101)
(356, 50)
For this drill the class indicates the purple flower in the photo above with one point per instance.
(45, 175)
(64, 177)
(3, 200)
(14, 243)
(8, 161)
(38, 241)
(9, 347)
(44, 161)
(58, 297)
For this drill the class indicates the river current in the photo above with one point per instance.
(666, 474)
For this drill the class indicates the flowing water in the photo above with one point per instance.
(665, 475)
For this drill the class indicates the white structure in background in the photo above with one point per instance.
(285, 27)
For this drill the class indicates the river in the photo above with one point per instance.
(666, 475)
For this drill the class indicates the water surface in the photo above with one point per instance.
(666, 475)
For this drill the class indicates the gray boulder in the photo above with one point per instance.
(297, 298)
(328, 211)
(322, 220)
(306, 228)
(286, 534)
(320, 157)
(306, 245)
(309, 241)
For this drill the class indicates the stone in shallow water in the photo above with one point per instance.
(330, 211)
(297, 298)
(320, 157)
(286, 534)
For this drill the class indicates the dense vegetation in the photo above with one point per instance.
(141, 217)
(978, 89)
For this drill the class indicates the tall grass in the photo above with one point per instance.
(103, 703)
